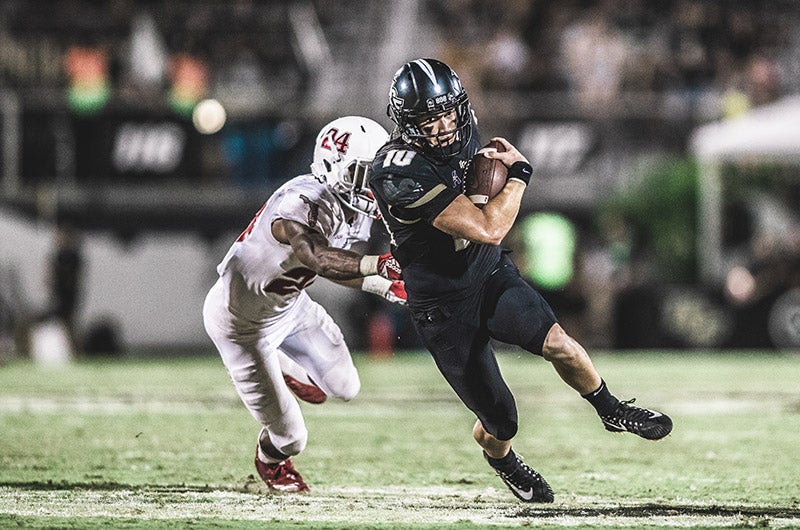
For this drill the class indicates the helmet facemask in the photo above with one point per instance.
(445, 143)
(353, 187)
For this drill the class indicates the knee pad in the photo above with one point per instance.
(502, 429)
(343, 383)
(506, 431)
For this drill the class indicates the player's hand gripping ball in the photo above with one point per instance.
(485, 177)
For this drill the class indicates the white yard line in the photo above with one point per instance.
(102, 405)
(398, 504)
(91, 405)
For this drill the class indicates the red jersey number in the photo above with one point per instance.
(249, 228)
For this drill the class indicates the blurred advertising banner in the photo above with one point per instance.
(135, 148)
(109, 148)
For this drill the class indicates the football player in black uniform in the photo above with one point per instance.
(462, 288)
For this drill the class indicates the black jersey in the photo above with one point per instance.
(412, 190)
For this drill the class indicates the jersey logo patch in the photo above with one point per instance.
(456, 179)
(313, 211)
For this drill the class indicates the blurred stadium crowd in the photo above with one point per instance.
(100, 131)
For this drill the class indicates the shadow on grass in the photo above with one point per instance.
(659, 510)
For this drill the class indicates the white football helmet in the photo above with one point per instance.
(343, 156)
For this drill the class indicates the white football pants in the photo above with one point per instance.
(307, 335)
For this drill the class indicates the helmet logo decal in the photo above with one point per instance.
(397, 101)
(335, 141)
(427, 69)
(438, 101)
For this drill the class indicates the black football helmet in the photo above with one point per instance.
(425, 88)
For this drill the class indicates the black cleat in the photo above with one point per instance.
(646, 423)
(525, 483)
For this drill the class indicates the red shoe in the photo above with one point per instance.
(281, 476)
(308, 393)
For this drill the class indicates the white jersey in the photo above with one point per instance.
(263, 275)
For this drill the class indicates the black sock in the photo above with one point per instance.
(506, 464)
(602, 400)
(271, 451)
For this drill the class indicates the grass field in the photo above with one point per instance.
(167, 444)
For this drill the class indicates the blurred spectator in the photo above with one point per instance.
(766, 267)
(693, 34)
(594, 55)
(635, 310)
(505, 52)
(7, 319)
(65, 271)
(763, 80)
(507, 61)
(758, 84)
(142, 62)
(147, 54)
(242, 77)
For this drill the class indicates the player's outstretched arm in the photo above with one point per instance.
(342, 266)
(314, 251)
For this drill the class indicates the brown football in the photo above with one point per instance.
(485, 177)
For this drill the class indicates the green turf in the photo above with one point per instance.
(166, 443)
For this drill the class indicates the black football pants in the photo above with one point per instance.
(458, 336)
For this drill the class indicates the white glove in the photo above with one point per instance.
(394, 291)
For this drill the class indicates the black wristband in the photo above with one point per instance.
(520, 171)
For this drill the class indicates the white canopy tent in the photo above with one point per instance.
(769, 133)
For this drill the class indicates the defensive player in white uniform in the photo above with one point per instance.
(260, 317)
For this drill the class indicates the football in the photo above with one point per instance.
(485, 177)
